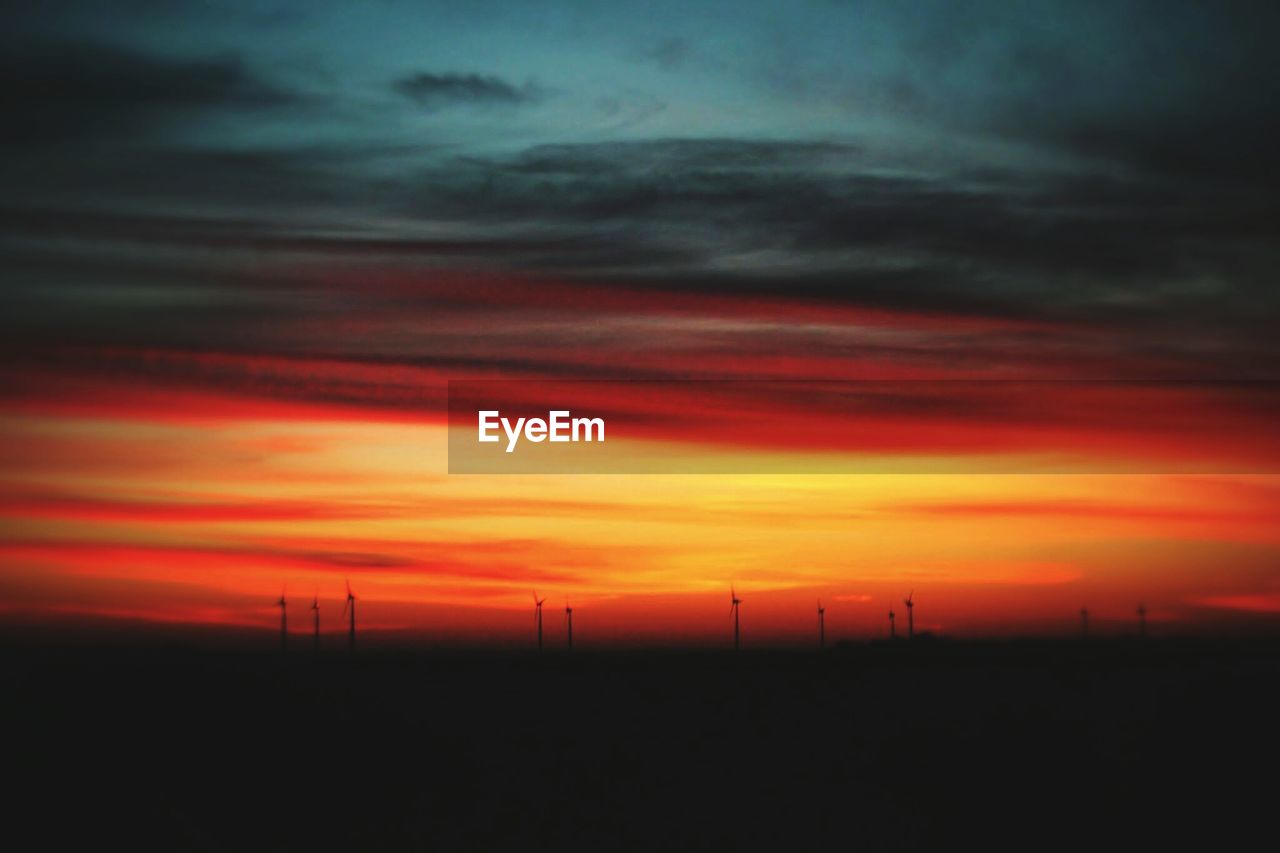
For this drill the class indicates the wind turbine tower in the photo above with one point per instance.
(911, 616)
(349, 610)
(315, 619)
(568, 624)
(284, 623)
(537, 616)
(733, 608)
(822, 625)
(893, 630)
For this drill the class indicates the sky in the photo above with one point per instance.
(246, 245)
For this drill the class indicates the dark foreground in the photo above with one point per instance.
(1035, 745)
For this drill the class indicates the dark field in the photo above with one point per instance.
(1036, 745)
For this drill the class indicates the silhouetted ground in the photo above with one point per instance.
(1032, 744)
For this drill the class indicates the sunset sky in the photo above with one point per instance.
(246, 245)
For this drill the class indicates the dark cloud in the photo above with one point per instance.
(817, 221)
(1177, 90)
(94, 92)
(434, 90)
(670, 54)
(1138, 198)
(823, 219)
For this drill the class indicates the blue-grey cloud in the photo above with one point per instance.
(96, 92)
(431, 90)
(1107, 165)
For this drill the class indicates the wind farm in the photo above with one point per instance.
(615, 719)
(855, 629)
(589, 737)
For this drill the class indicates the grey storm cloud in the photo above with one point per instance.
(805, 220)
(431, 89)
(1109, 165)
(58, 89)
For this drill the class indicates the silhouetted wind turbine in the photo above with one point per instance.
(350, 606)
(733, 608)
(893, 630)
(911, 616)
(284, 622)
(568, 623)
(537, 616)
(1084, 621)
(822, 625)
(315, 613)
(1142, 620)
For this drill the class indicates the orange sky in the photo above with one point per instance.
(246, 260)
(131, 500)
